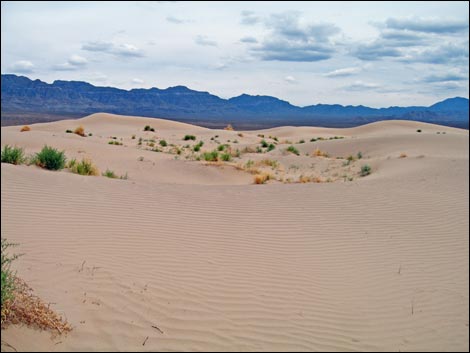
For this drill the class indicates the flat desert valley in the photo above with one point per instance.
(193, 255)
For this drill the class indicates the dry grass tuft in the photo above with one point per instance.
(229, 127)
(25, 128)
(79, 131)
(304, 179)
(261, 178)
(317, 180)
(30, 310)
(403, 155)
(319, 153)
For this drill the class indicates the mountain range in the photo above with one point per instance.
(23, 99)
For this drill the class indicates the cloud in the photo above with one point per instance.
(249, 18)
(75, 62)
(177, 20)
(117, 49)
(289, 40)
(204, 41)
(361, 86)
(447, 77)
(348, 71)
(439, 26)
(375, 51)
(290, 79)
(137, 81)
(248, 39)
(22, 66)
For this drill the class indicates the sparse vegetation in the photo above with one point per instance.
(293, 150)
(90, 134)
(240, 134)
(25, 128)
(313, 139)
(359, 155)
(140, 141)
(109, 174)
(50, 158)
(163, 143)
(302, 141)
(148, 128)
(211, 156)
(320, 153)
(271, 147)
(264, 144)
(365, 170)
(229, 127)
(270, 163)
(80, 131)
(403, 155)
(261, 178)
(419, 130)
(221, 147)
(226, 157)
(114, 142)
(85, 167)
(189, 137)
(260, 135)
(13, 155)
(69, 131)
(7, 277)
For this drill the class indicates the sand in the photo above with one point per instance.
(378, 263)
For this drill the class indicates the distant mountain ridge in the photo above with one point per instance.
(20, 96)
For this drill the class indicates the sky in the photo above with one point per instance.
(377, 54)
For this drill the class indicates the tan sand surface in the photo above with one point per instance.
(375, 263)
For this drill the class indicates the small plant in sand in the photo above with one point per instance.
(109, 174)
(85, 167)
(240, 134)
(50, 158)
(140, 142)
(293, 150)
(365, 170)
(25, 128)
(68, 131)
(133, 137)
(8, 277)
(211, 156)
(419, 130)
(13, 155)
(301, 141)
(403, 155)
(260, 135)
(271, 147)
(148, 128)
(264, 144)
(319, 153)
(80, 131)
(163, 143)
(226, 157)
(275, 139)
(261, 178)
(304, 179)
(269, 162)
(229, 127)
(189, 137)
(359, 155)
(114, 142)
(221, 148)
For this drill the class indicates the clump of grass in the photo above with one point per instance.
(419, 130)
(313, 139)
(240, 134)
(229, 127)
(197, 148)
(269, 162)
(359, 155)
(211, 156)
(293, 150)
(271, 147)
(133, 137)
(258, 149)
(140, 142)
(189, 137)
(114, 142)
(109, 174)
(7, 276)
(13, 155)
(85, 167)
(25, 128)
(264, 144)
(68, 131)
(80, 131)
(71, 163)
(148, 128)
(50, 158)
(90, 134)
(304, 179)
(365, 170)
(301, 141)
(221, 147)
(163, 143)
(319, 153)
(403, 155)
(260, 135)
(261, 178)
(275, 139)
(226, 157)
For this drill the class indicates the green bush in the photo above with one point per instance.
(85, 167)
(302, 141)
(313, 139)
(226, 157)
(109, 174)
(359, 155)
(163, 143)
(148, 128)
(7, 276)
(69, 131)
(211, 156)
(221, 148)
(365, 170)
(12, 155)
(50, 158)
(264, 144)
(196, 148)
(189, 137)
(419, 130)
(271, 147)
(293, 150)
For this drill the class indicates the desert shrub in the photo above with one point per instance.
(133, 137)
(226, 157)
(304, 179)
(25, 128)
(240, 134)
(90, 134)
(13, 155)
(258, 149)
(189, 137)
(403, 155)
(151, 144)
(271, 147)
(302, 141)
(85, 167)
(148, 128)
(359, 155)
(7, 275)
(319, 153)
(196, 148)
(313, 139)
(221, 148)
(211, 156)
(293, 150)
(80, 131)
(264, 144)
(71, 163)
(365, 170)
(270, 163)
(229, 127)
(50, 158)
(113, 142)
(109, 174)
(140, 141)
(275, 139)
(419, 130)
(261, 178)
(68, 131)
(163, 143)
(260, 135)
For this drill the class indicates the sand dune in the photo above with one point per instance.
(379, 263)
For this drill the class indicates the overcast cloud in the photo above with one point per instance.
(377, 54)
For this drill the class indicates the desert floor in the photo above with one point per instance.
(317, 259)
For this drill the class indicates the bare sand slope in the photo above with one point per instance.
(379, 263)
